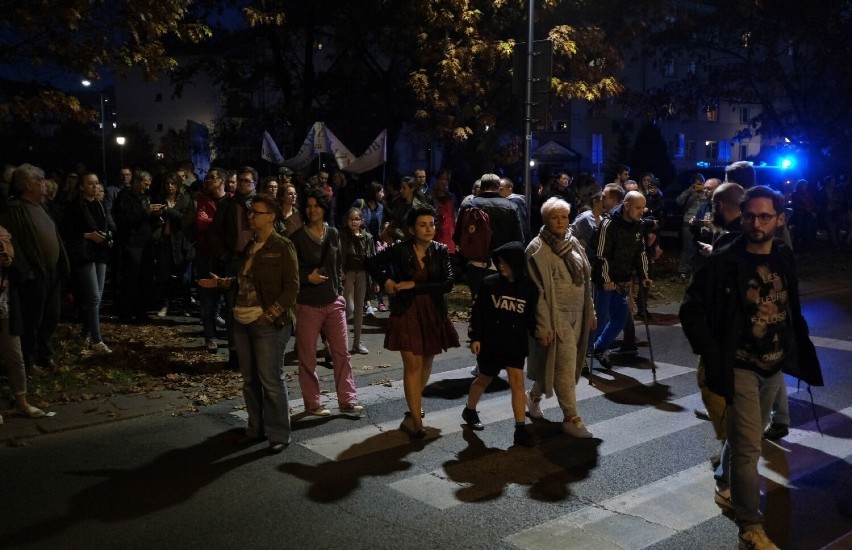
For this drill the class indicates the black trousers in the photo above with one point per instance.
(137, 269)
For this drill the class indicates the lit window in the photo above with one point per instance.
(711, 150)
(712, 113)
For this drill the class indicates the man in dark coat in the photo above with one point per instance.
(743, 316)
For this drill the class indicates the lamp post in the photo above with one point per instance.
(120, 140)
(88, 83)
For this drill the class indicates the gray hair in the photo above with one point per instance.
(24, 174)
(554, 203)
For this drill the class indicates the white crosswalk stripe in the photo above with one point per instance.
(447, 421)
(651, 513)
(638, 518)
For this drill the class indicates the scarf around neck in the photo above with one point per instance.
(578, 269)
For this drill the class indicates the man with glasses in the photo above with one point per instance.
(230, 233)
(742, 315)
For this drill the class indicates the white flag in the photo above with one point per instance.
(269, 151)
(309, 149)
(342, 155)
(376, 155)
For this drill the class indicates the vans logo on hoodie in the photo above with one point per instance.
(509, 303)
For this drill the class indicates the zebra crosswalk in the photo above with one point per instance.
(655, 512)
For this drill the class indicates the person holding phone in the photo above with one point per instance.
(133, 213)
(321, 307)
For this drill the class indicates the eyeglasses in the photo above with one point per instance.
(245, 180)
(254, 212)
(748, 217)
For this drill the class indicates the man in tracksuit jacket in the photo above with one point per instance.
(619, 254)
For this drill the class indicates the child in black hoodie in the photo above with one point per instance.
(499, 322)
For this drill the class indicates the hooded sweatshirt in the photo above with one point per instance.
(504, 311)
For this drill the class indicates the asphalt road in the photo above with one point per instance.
(644, 481)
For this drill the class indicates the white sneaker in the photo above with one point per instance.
(163, 312)
(756, 539)
(32, 412)
(319, 411)
(575, 428)
(100, 349)
(369, 310)
(534, 406)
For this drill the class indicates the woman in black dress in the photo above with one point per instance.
(416, 273)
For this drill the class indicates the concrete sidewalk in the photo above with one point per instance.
(379, 367)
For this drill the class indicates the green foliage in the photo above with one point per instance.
(81, 38)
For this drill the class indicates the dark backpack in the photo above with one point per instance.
(475, 233)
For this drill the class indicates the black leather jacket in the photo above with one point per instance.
(398, 262)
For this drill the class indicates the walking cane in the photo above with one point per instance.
(643, 291)
(590, 343)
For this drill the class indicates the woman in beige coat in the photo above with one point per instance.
(564, 315)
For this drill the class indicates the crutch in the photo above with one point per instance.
(590, 343)
(643, 291)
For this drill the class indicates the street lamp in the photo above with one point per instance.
(120, 140)
(88, 83)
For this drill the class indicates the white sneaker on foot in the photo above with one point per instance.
(351, 408)
(32, 412)
(575, 428)
(163, 312)
(370, 310)
(100, 349)
(756, 539)
(534, 406)
(319, 411)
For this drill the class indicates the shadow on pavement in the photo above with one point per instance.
(335, 479)
(456, 388)
(548, 469)
(169, 480)
(625, 390)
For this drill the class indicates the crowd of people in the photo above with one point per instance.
(552, 286)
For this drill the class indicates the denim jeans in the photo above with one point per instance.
(91, 277)
(747, 416)
(355, 290)
(260, 349)
(611, 311)
(209, 298)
